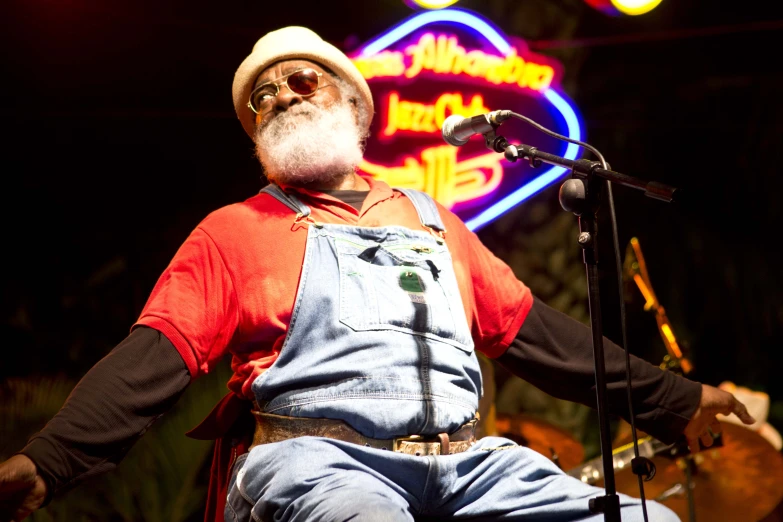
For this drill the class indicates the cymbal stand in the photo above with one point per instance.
(690, 469)
(635, 268)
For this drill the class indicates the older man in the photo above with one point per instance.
(352, 312)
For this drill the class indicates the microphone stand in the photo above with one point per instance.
(581, 195)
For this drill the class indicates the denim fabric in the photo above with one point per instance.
(378, 336)
(316, 479)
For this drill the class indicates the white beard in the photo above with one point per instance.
(309, 144)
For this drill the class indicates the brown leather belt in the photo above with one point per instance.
(275, 428)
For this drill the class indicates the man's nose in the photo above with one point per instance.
(286, 98)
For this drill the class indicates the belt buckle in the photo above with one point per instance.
(410, 438)
(419, 445)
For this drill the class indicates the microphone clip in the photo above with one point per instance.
(495, 142)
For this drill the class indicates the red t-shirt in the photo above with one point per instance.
(231, 286)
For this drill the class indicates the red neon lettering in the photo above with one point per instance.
(442, 54)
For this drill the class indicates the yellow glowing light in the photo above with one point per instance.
(667, 332)
(439, 174)
(434, 4)
(636, 267)
(442, 54)
(635, 7)
(645, 290)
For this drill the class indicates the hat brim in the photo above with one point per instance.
(295, 44)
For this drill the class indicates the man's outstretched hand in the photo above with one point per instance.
(22, 490)
(703, 425)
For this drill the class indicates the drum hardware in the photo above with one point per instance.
(635, 269)
(539, 435)
(738, 478)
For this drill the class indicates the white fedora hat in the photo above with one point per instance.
(291, 43)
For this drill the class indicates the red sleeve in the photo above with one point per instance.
(498, 302)
(194, 304)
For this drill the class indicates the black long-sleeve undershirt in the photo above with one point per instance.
(122, 395)
(109, 410)
(554, 352)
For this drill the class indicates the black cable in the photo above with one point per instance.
(618, 268)
(618, 264)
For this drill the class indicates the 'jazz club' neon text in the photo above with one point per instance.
(405, 115)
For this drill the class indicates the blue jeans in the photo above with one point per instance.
(324, 480)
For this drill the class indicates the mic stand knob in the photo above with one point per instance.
(644, 467)
(495, 142)
(515, 152)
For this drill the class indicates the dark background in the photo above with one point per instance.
(120, 136)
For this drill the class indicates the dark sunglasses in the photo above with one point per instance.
(303, 82)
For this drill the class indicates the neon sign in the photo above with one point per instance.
(403, 115)
(450, 61)
(442, 54)
(438, 173)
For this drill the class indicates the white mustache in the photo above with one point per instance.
(285, 143)
(290, 117)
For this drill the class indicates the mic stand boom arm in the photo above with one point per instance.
(583, 169)
(581, 195)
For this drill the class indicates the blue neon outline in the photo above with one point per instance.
(442, 15)
(543, 180)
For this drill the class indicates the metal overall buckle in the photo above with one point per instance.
(302, 219)
(416, 445)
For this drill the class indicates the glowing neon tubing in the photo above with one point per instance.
(471, 21)
(428, 17)
(544, 179)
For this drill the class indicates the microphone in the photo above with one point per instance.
(458, 130)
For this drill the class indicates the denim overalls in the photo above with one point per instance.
(378, 338)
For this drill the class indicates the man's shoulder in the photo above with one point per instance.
(453, 222)
(257, 213)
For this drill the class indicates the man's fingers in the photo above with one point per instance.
(715, 427)
(706, 439)
(693, 444)
(9, 489)
(741, 411)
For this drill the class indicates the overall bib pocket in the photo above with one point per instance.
(408, 288)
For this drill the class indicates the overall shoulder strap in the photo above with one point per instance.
(425, 207)
(286, 199)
